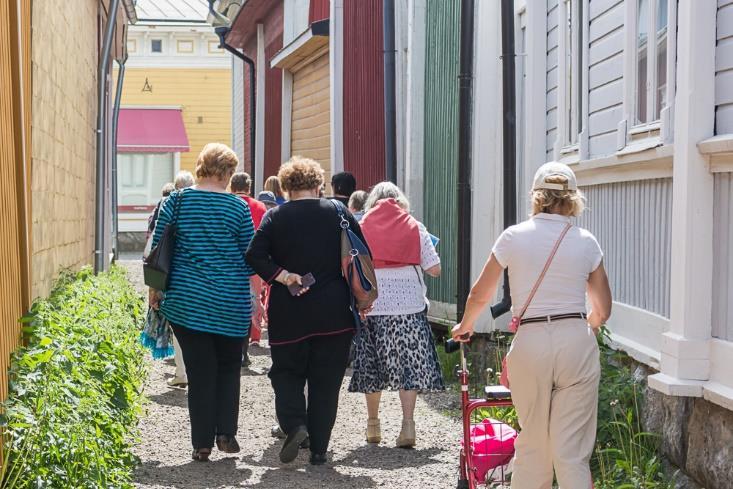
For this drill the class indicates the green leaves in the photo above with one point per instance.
(76, 387)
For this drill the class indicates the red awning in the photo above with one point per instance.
(151, 131)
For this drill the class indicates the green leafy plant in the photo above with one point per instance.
(75, 393)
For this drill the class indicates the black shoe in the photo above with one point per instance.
(227, 444)
(318, 458)
(246, 362)
(306, 443)
(289, 451)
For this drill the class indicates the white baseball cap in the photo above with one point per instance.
(554, 169)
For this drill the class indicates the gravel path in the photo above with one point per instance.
(164, 449)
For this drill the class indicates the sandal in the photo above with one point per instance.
(227, 444)
(201, 454)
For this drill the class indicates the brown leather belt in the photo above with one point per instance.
(556, 317)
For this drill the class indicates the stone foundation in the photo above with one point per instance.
(697, 438)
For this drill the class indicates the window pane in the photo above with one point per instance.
(661, 88)
(642, 27)
(156, 46)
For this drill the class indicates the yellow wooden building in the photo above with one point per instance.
(176, 98)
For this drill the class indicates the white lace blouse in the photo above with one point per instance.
(402, 290)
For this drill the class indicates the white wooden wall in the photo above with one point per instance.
(238, 108)
(552, 76)
(724, 69)
(722, 259)
(605, 74)
(633, 222)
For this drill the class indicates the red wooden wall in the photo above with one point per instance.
(319, 10)
(273, 92)
(364, 92)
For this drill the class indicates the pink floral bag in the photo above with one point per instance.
(516, 320)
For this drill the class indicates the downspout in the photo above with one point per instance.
(465, 130)
(509, 140)
(101, 173)
(222, 31)
(390, 111)
(115, 121)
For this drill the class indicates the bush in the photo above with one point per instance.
(75, 393)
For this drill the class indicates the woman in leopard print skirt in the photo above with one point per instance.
(396, 350)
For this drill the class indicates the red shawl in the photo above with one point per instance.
(392, 234)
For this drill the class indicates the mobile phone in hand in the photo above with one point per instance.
(308, 280)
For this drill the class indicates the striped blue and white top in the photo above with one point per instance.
(208, 288)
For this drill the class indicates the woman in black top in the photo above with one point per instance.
(310, 333)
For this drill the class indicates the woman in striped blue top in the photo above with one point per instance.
(208, 299)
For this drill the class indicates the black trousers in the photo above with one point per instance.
(320, 362)
(213, 363)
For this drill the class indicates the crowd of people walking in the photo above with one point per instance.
(242, 263)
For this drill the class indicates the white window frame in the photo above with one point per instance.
(570, 111)
(661, 128)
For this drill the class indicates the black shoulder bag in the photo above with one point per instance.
(157, 266)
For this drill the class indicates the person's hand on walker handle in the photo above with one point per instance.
(462, 332)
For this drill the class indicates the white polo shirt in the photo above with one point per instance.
(525, 247)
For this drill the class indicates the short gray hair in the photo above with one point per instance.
(184, 179)
(386, 190)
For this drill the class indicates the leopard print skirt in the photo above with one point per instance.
(396, 352)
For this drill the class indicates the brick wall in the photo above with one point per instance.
(64, 58)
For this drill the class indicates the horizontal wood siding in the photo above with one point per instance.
(724, 69)
(551, 108)
(723, 257)
(441, 139)
(633, 223)
(605, 76)
(363, 97)
(311, 122)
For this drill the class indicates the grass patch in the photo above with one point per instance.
(75, 394)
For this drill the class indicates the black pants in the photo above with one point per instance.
(213, 363)
(321, 362)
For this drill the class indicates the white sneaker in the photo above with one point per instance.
(181, 382)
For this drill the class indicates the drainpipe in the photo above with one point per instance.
(222, 32)
(115, 121)
(101, 167)
(390, 111)
(509, 140)
(465, 130)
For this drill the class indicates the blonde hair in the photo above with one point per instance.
(386, 190)
(272, 184)
(300, 173)
(565, 202)
(216, 160)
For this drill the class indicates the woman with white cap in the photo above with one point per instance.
(553, 363)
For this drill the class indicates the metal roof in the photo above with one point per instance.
(172, 10)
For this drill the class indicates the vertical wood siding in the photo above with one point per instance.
(273, 92)
(441, 138)
(553, 31)
(319, 10)
(13, 109)
(633, 222)
(311, 117)
(723, 257)
(363, 96)
(250, 50)
(605, 77)
(724, 69)
(238, 109)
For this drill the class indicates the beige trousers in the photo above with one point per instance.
(178, 357)
(554, 370)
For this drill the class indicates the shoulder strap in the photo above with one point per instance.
(177, 206)
(344, 224)
(544, 271)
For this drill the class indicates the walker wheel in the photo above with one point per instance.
(462, 484)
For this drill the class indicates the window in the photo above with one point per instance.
(131, 45)
(156, 46)
(651, 59)
(142, 175)
(214, 48)
(571, 33)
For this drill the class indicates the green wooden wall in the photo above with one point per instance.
(441, 139)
